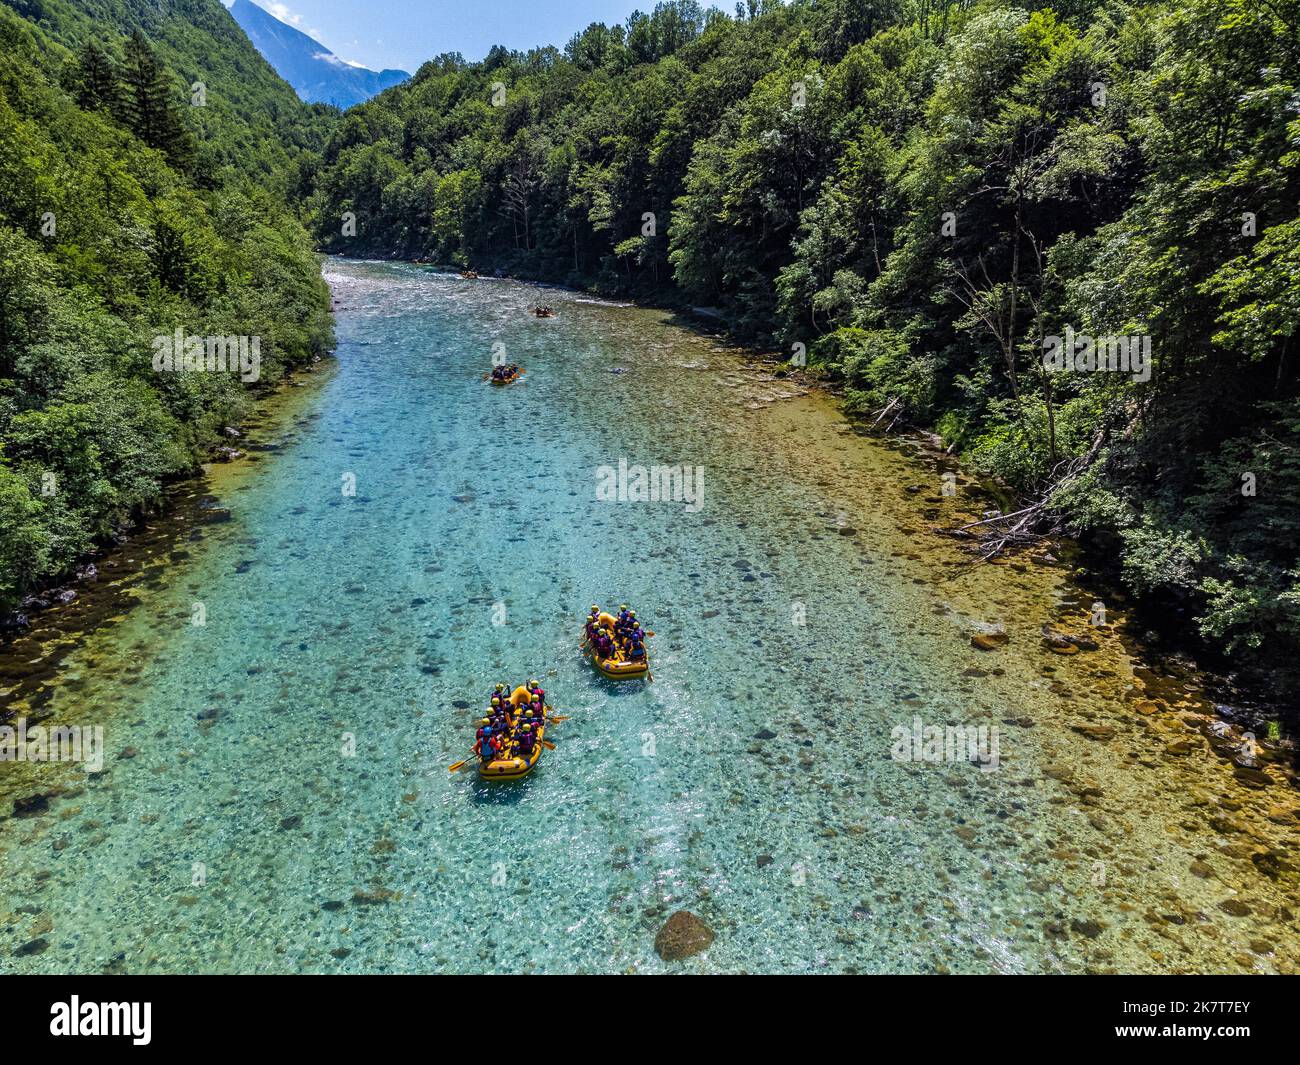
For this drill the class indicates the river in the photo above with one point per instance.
(275, 795)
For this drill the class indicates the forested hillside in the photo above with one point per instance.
(135, 204)
(923, 196)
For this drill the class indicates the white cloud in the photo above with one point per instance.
(330, 57)
(282, 12)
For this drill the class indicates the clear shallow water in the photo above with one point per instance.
(369, 616)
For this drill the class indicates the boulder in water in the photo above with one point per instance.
(682, 935)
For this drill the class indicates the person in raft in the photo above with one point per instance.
(635, 648)
(524, 741)
(487, 747)
(593, 623)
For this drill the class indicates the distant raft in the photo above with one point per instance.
(505, 375)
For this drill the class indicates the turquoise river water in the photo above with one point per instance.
(276, 795)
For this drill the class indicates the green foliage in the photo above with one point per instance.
(111, 233)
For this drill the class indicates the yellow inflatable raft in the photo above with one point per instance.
(507, 380)
(514, 767)
(617, 667)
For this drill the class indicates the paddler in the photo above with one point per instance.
(525, 741)
(487, 745)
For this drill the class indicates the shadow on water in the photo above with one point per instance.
(500, 792)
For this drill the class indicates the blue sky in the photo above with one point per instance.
(404, 33)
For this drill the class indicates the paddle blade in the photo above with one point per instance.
(458, 765)
(548, 745)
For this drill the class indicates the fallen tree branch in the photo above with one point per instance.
(1024, 531)
(888, 408)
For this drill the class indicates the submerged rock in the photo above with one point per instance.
(989, 641)
(1093, 732)
(32, 805)
(682, 935)
(1252, 778)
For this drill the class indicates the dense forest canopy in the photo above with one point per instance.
(924, 197)
(135, 203)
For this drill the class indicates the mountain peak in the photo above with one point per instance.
(316, 74)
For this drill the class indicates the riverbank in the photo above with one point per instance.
(30, 657)
(803, 615)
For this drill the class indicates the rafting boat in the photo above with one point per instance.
(507, 380)
(617, 666)
(515, 767)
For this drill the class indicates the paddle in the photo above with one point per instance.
(548, 745)
(458, 765)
